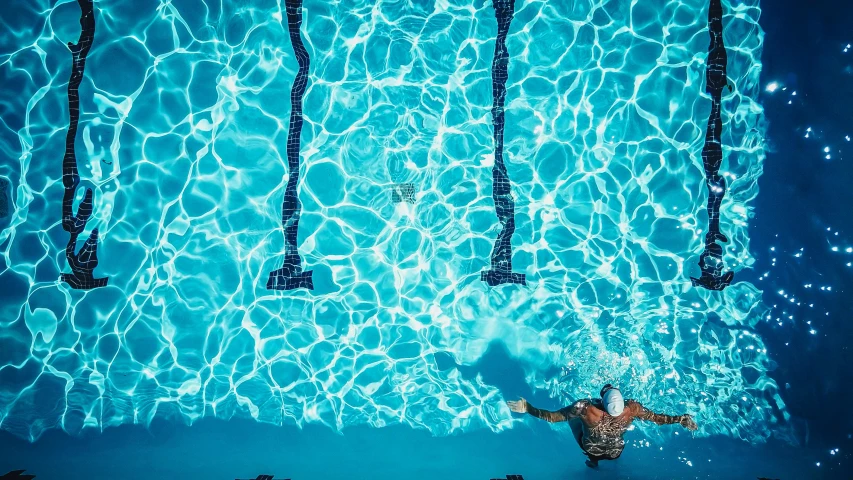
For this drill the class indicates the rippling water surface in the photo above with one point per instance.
(185, 108)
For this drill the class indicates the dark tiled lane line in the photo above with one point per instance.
(291, 276)
(711, 260)
(501, 259)
(82, 263)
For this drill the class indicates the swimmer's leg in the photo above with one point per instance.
(594, 459)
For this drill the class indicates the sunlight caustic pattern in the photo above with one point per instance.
(183, 140)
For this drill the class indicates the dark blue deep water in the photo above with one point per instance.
(804, 206)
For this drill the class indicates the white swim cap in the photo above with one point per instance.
(613, 401)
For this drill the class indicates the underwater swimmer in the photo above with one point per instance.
(603, 421)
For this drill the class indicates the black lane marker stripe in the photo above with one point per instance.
(291, 276)
(711, 261)
(501, 259)
(83, 263)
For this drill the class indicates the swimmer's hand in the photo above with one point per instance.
(518, 406)
(688, 422)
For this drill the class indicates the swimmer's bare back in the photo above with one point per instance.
(592, 415)
(602, 435)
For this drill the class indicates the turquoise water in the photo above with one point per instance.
(185, 108)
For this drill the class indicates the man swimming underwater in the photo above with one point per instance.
(603, 422)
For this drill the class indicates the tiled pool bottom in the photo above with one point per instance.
(148, 341)
(185, 144)
(216, 449)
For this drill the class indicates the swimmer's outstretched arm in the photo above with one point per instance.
(562, 415)
(644, 413)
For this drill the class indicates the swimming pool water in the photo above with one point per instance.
(183, 138)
